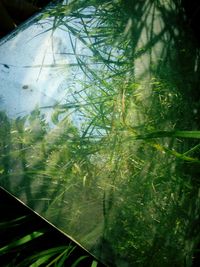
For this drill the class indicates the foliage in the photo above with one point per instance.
(123, 180)
(28, 240)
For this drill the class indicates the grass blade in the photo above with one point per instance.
(65, 253)
(45, 255)
(41, 261)
(78, 261)
(94, 264)
(161, 134)
(21, 241)
(13, 223)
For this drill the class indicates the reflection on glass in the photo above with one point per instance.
(99, 128)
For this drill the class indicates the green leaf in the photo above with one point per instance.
(45, 255)
(13, 223)
(41, 261)
(175, 153)
(55, 115)
(79, 260)
(94, 264)
(21, 241)
(161, 134)
(65, 253)
(187, 134)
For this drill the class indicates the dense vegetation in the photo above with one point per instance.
(117, 165)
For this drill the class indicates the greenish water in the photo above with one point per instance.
(99, 128)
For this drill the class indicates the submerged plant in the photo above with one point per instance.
(116, 164)
(30, 241)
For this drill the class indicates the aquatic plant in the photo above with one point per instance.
(116, 166)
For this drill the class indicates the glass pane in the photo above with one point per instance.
(99, 127)
(29, 240)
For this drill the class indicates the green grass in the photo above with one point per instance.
(30, 241)
(125, 178)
